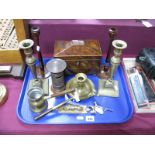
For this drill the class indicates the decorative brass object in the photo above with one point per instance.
(53, 108)
(26, 45)
(3, 94)
(41, 83)
(72, 109)
(36, 99)
(119, 45)
(110, 87)
(56, 67)
(83, 109)
(84, 88)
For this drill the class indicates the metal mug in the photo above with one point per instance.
(57, 67)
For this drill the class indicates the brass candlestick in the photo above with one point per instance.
(30, 60)
(110, 87)
(27, 45)
(119, 45)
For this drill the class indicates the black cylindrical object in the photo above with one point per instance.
(112, 35)
(35, 33)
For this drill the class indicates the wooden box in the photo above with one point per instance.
(82, 56)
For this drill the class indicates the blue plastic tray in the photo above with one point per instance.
(122, 106)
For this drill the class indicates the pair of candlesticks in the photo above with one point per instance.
(107, 86)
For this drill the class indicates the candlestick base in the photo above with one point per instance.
(41, 83)
(108, 88)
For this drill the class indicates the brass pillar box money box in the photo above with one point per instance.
(82, 56)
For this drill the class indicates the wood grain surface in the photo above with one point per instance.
(83, 56)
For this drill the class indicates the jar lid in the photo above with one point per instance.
(3, 94)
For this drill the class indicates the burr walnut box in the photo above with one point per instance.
(82, 56)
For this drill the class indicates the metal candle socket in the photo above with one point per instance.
(119, 45)
(84, 88)
(110, 87)
(56, 67)
(27, 45)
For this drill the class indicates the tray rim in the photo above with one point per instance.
(127, 92)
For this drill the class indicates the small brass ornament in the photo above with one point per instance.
(84, 88)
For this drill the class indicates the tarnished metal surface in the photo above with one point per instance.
(108, 88)
(27, 45)
(72, 109)
(36, 99)
(118, 45)
(84, 88)
(51, 109)
(41, 83)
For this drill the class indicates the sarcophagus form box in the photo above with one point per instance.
(82, 56)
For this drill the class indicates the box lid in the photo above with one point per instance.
(77, 48)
